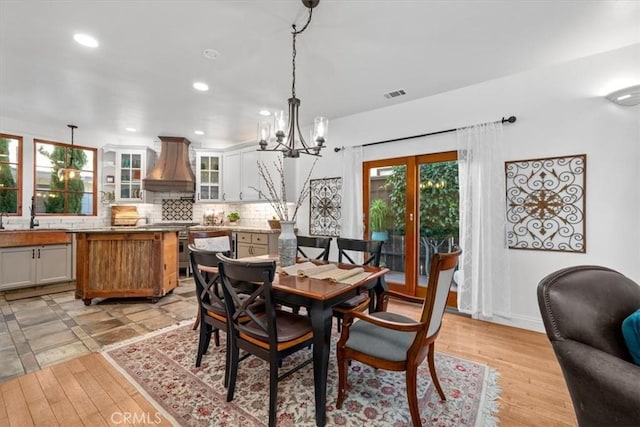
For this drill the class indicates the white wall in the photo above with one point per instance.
(561, 111)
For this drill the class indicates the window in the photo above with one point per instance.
(59, 191)
(10, 174)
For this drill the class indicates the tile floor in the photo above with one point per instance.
(41, 331)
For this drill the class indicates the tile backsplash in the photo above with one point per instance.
(160, 209)
(177, 210)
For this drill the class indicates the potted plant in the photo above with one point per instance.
(274, 223)
(379, 219)
(233, 217)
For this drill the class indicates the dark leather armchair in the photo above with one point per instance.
(582, 309)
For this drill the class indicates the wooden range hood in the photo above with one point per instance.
(172, 171)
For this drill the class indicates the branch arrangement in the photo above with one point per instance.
(278, 200)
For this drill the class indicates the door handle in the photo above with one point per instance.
(38, 253)
(33, 254)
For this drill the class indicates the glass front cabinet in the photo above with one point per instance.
(123, 172)
(208, 174)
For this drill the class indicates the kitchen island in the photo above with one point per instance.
(116, 262)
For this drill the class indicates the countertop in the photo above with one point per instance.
(123, 229)
(237, 228)
(151, 229)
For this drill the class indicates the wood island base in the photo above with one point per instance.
(119, 264)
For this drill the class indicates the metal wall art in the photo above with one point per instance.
(325, 210)
(546, 202)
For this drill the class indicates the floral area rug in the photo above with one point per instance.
(162, 366)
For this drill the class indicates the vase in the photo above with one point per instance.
(287, 244)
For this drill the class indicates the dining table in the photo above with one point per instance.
(319, 296)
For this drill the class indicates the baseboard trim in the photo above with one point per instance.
(517, 321)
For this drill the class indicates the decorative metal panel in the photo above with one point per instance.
(546, 203)
(325, 207)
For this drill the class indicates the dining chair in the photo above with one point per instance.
(271, 335)
(391, 341)
(211, 240)
(372, 251)
(323, 243)
(211, 310)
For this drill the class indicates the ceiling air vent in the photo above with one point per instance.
(395, 93)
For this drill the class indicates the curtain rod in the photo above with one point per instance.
(511, 119)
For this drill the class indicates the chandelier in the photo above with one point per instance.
(69, 171)
(286, 126)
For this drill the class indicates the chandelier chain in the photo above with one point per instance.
(293, 56)
(287, 137)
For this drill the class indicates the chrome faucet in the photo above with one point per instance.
(33, 222)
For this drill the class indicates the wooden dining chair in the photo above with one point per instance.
(270, 335)
(211, 240)
(323, 243)
(211, 310)
(395, 342)
(372, 251)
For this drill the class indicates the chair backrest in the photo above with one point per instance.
(587, 304)
(212, 240)
(235, 272)
(582, 308)
(207, 292)
(323, 243)
(371, 248)
(443, 266)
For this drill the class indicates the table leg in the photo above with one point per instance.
(321, 318)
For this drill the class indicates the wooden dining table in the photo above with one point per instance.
(320, 296)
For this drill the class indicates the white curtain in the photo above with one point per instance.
(352, 215)
(484, 290)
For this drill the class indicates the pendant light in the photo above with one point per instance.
(69, 171)
(288, 137)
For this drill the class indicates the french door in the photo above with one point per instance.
(421, 197)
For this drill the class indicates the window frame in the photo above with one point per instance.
(19, 171)
(94, 190)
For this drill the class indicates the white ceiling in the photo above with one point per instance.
(353, 52)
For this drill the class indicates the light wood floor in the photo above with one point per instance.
(88, 391)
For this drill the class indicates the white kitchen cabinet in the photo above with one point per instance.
(35, 265)
(208, 174)
(123, 170)
(231, 176)
(240, 175)
(270, 160)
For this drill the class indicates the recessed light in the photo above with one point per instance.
(199, 132)
(131, 129)
(265, 113)
(85, 40)
(201, 86)
(210, 53)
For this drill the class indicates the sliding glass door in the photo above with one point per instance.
(420, 194)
